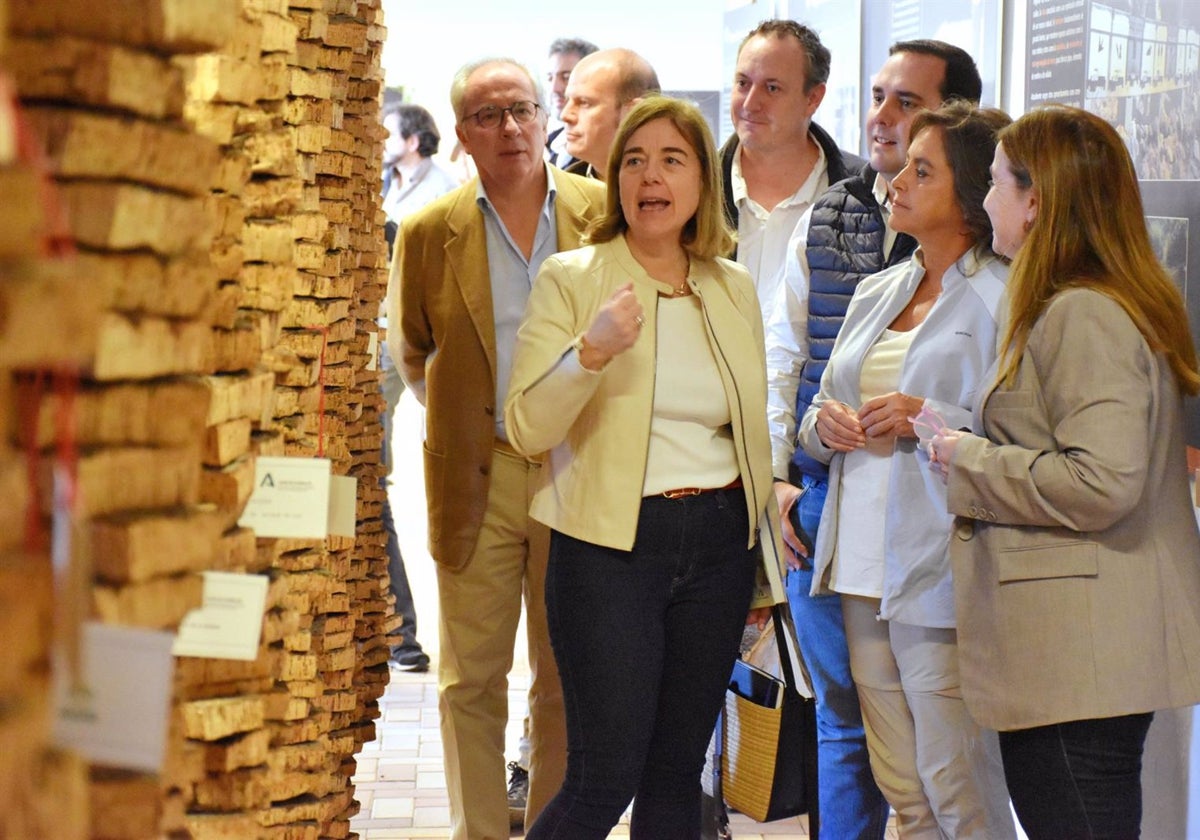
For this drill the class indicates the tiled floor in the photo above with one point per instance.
(402, 788)
(400, 783)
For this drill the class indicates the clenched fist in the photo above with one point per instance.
(616, 327)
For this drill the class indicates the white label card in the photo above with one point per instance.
(373, 351)
(290, 498)
(343, 505)
(117, 714)
(229, 623)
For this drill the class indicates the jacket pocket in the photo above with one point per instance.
(1001, 400)
(1048, 561)
(435, 482)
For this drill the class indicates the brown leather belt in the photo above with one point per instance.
(680, 492)
(506, 448)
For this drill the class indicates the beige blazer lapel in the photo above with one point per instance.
(569, 207)
(466, 256)
(466, 252)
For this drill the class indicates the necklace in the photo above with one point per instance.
(683, 288)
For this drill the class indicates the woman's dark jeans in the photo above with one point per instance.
(645, 642)
(1079, 780)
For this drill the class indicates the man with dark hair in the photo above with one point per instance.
(459, 281)
(564, 55)
(411, 178)
(842, 239)
(779, 161)
(602, 89)
(961, 78)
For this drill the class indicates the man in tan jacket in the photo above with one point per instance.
(461, 274)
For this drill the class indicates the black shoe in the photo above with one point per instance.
(518, 793)
(412, 661)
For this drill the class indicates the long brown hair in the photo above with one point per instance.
(1089, 232)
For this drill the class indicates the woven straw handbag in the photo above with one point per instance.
(769, 761)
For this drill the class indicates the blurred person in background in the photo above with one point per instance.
(564, 55)
(411, 179)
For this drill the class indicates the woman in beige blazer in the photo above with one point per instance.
(639, 366)
(1076, 557)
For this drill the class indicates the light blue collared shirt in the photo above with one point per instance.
(512, 278)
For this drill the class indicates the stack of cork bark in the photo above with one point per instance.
(294, 103)
(104, 104)
(43, 791)
(218, 164)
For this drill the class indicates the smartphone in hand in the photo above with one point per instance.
(805, 538)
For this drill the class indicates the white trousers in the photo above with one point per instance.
(938, 769)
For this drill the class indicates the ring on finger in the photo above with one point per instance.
(640, 320)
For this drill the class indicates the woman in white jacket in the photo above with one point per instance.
(919, 335)
(640, 368)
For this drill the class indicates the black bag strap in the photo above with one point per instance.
(792, 667)
(791, 660)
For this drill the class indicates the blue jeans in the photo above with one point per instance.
(1079, 780)
(645, 641)
(849, 802)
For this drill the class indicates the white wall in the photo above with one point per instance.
(428, 41)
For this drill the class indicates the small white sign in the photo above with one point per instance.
(228, 625)
(343, 505)
(373, 351)
(115, 713)
(290, 498)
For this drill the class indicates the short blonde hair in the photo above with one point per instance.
(706, 234)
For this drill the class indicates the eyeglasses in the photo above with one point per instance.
(490, 116)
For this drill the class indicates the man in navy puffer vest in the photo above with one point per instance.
(844, 238)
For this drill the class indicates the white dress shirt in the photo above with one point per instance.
(764, 236)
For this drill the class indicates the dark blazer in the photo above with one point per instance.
(562, 160)
(1076, 557)
(444, 345)
(581, 168)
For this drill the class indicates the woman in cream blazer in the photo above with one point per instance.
(640, 368)
(1076, 555)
